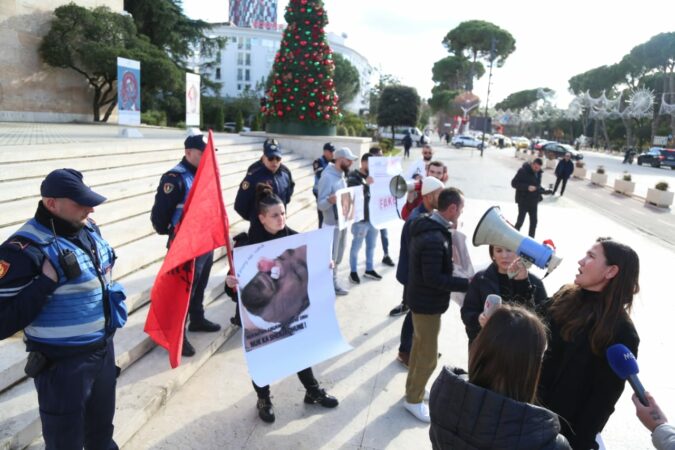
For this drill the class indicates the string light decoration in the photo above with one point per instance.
(302, 88)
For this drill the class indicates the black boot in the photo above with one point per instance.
(317, 395)
(265, 410)
(188, 349)
(203, 325)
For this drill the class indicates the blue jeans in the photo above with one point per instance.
(384, 235)
(360, 231)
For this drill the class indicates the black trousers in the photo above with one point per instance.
(203, 266)
(530, 210)
(306, 377)
(557, 183)
(76, 396)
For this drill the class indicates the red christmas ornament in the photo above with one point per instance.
(301, 117)
(311, 104)
(280, 113)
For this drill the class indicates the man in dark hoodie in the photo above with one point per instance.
(430, 283)
(527, 184)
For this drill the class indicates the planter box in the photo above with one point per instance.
(551, 163)
(599, 178)
(579, 172)
(664, 199)
(624, 187)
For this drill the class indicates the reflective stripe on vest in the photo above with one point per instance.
(187, 177)
(73, 313)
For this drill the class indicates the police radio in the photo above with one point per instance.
(67, 259)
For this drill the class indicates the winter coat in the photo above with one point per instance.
(430, 279)
(466, 416)
(529, 292)
(564, 169)
(578, 385)
(526, 177)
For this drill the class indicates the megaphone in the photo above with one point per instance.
(399, 186)
(493, 229)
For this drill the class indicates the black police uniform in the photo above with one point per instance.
(281, 182)
(75, 383)
(172, 192)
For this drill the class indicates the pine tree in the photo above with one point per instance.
(302, 88)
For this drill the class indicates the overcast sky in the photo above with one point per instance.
(554, 40)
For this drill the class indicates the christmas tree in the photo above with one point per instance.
(302, 89)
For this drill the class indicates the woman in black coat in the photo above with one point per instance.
(492, 407)
(585, 318)
(272, 216)
(524, 288)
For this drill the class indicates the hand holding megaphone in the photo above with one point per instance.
(493, 229)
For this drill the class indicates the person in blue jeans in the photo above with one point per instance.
(363, 229)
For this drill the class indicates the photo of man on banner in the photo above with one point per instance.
(349, 207)
(287, 315)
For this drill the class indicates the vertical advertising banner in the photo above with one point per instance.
(192, 100)
(128, 91)
(288, 315)
(383, 207)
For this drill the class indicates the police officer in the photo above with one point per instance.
(56, 284)
(318, 165)
(167, 212)
(268, 170)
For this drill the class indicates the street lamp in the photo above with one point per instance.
(487, 99)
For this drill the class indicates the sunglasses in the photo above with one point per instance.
(274, 158)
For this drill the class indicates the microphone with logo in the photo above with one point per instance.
(625, 366)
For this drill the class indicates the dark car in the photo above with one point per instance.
(657, 157)
(556, 150)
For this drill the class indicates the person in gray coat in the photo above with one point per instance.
(332, 180)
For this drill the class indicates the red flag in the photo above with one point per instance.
(203, 227)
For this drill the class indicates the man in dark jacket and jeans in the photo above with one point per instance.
(430, 283)
(527, 184)
(563, 171)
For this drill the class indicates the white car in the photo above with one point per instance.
(466, 141)
(417, 136)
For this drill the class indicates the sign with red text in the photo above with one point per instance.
(383, 207)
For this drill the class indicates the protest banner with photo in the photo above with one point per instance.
(288, 316)
(349, 206)
(192, 99)
(128, 92)
(383, 207)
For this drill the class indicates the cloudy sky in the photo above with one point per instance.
(554, 40)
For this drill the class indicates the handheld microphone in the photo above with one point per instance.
(492, 302)
(625, 366)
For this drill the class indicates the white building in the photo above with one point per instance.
(248, 56)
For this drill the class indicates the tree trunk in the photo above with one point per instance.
(604, 133)
(109, 100)
(629, 131)
(97, 98)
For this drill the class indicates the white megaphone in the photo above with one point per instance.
(493, 229)
(399, 186)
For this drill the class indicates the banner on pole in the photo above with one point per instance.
(288, 315)
(192, 99)
(128, 91)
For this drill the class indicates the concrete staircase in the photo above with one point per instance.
(127, 173)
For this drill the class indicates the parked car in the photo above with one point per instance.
(494, 140)
(556, 150)
(520, 142)
(539, 143)
(417, 136)
(657, 157)
(466, 141)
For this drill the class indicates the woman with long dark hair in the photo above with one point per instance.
(585, 318)
(272, 216)
(523, 288)
(493, 407)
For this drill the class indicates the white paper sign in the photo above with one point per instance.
(383, 207)
(349, 206)
(288, 315)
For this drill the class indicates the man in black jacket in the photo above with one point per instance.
(563, 172)
(430, 283)
(527, 184)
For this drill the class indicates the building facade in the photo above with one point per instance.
(30, 90)
(254, 13)
(248, 57)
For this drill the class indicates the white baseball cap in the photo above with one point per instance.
(344, 152)
(431, 184)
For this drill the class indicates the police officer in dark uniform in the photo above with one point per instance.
(56, 284)
(268, 170)
(318, 165)
(167, 212)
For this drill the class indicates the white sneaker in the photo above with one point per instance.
(419, 410)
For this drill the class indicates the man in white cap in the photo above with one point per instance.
(332, 180)
(431, 189)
